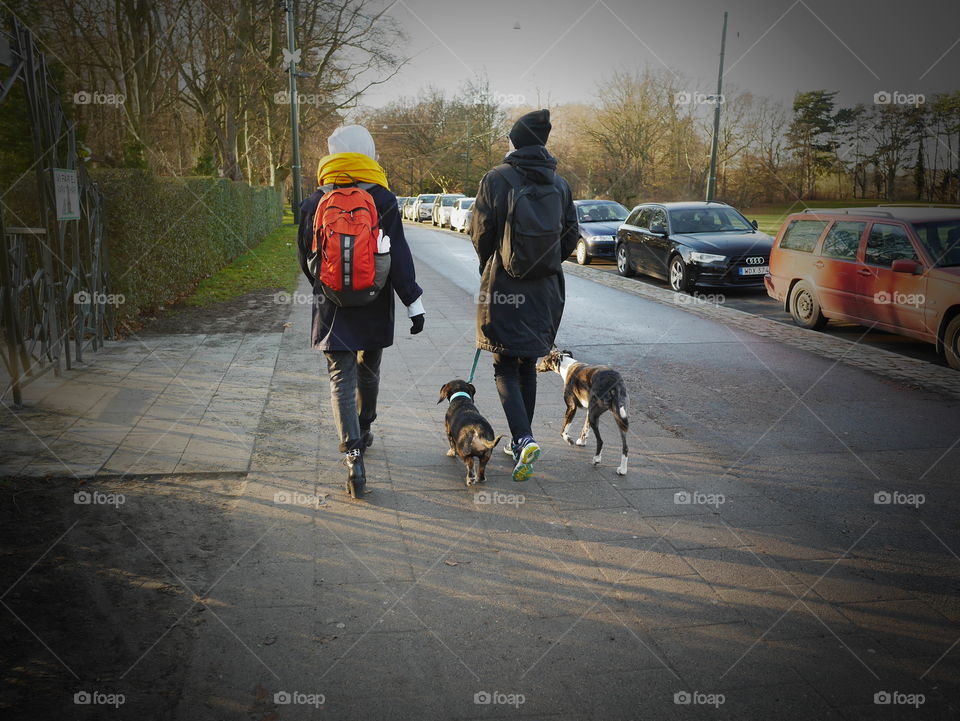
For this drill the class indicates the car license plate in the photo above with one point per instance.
(755, 270)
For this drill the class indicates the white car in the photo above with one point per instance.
(461, 213)
(442, 208)
(423, 207)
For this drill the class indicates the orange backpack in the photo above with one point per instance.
(346, 228)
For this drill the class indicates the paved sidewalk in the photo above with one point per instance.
(578, 595)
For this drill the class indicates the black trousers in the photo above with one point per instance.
(517, 385)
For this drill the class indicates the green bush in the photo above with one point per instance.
(164, 235)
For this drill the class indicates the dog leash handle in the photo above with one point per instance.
(476, 357)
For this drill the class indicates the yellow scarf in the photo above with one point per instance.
(346, 168)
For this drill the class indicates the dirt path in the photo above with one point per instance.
(263, 311)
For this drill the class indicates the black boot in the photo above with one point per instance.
(356, 475)
(367, 435)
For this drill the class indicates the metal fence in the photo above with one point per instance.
(54, 293)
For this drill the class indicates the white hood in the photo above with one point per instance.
(352, 139)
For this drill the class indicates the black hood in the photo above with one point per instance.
(535, 162)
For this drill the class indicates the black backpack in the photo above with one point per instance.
(534, 224)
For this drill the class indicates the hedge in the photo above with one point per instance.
(164, 235)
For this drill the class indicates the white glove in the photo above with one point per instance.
(383, 243)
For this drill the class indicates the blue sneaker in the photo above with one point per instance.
(528, 455)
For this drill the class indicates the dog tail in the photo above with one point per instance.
(482, 445)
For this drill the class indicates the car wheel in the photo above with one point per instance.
(583, 257)
(805, 308)
(951, 343)
(623, 262)
(679, 277)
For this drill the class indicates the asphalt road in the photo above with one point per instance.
(757, 302)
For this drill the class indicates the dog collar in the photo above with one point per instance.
(459, 393)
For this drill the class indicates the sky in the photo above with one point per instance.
(564, 49)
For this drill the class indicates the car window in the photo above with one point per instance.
(591, 212)
(466, 204)
(843, 240)
(802, 235)
(887, 243)
(941, 240)
(708, 220)
(634, 217)
(658, 216)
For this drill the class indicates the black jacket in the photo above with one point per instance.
(370, 326)
(518, 317)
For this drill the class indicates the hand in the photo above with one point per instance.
(417, 322)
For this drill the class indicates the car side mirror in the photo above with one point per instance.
(905, 265)
(658, 229)
(755, 224)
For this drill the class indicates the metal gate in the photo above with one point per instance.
(53, 278)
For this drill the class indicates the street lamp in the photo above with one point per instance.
(291, 56)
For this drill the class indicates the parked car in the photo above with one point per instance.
(692, 244)
(461, 214)
(599, 221)
(423, 207)
(896, 268)
(408, 208)
(442, 208)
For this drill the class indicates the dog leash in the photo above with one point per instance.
(476, 357)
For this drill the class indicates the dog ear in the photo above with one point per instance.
(444, 392)
(472, 390)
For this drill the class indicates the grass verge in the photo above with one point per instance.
(270, 265)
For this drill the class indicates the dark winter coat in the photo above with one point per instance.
(370, 326)
(518, 317)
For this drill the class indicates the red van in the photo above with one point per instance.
(895, 268)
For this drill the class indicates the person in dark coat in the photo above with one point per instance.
(353, 338)
(518, 318)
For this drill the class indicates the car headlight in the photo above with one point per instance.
(599, 238)
(707, 258)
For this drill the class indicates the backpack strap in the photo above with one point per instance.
(513, 176)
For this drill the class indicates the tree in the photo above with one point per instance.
(809, 136)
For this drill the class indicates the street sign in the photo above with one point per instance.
(68, 194)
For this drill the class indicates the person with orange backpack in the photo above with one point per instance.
(353, 251)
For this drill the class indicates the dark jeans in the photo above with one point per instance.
(517, 385)
(354, 384)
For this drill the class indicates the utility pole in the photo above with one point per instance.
(294, 112)
(717, 101)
